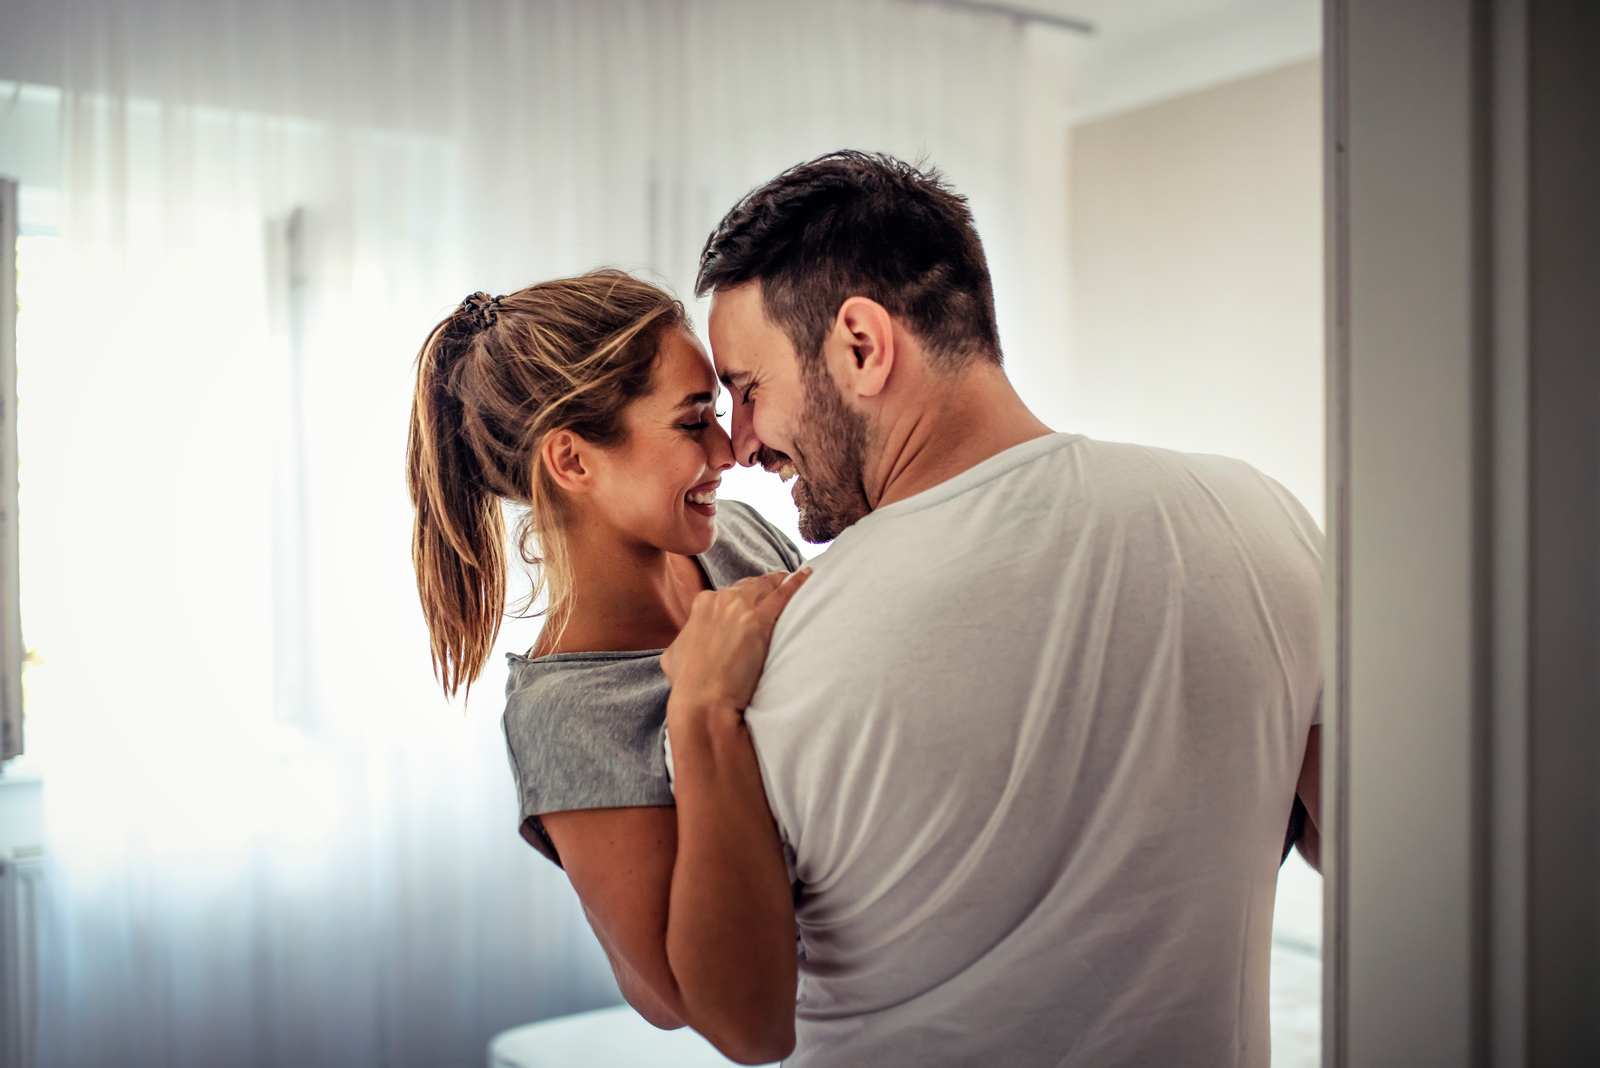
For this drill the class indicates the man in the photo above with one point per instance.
(1032, 731)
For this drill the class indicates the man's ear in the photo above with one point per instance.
(567, 457)
(864, 330)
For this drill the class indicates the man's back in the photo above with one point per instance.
(1032, 737)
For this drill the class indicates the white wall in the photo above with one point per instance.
(1143, 51)
(1196, 261)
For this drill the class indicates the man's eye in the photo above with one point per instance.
(747, 391)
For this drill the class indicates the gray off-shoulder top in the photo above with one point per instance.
(584, 730)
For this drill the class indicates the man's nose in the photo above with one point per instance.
(746, 445)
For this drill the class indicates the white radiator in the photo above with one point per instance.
(21, 877)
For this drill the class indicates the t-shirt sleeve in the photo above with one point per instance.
(583, 736)
(748, 545)
(788, 552)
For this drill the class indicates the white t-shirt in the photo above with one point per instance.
(1031, 738)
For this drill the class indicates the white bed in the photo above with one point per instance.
(605, 1038)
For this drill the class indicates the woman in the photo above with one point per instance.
(588, 401)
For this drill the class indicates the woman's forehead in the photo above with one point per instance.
(683, 369)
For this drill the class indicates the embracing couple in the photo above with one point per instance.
(1015, 757)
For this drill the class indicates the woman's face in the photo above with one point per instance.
(659, 487)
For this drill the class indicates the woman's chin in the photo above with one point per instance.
(700, 531)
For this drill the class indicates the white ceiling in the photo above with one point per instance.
(1146, 50)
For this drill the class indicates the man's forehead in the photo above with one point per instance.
(740, 309)
(742, 335)
(736, 297)
(729, 369)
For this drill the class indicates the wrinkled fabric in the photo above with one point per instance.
(1031, 738)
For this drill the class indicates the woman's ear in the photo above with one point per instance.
(565, 455)
(864, 331)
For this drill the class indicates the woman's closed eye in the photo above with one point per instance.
(701, 423)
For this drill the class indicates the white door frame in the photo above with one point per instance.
(1463, 751)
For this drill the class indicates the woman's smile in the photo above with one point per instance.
(703, 498)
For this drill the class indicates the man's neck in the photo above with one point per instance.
(973, 415)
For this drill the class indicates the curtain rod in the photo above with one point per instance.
(1064, 22)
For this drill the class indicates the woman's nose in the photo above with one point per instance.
(720, 454)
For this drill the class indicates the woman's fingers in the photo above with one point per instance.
(756, 588)
(772, 605)
(770, 593)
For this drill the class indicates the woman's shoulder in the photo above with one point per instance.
(583, 730)
(594, 683)
(584, 693)
(747, 544)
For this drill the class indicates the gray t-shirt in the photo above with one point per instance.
(584, 730)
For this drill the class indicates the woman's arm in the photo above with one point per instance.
(705, 937)
(731, 935)
(620, 863)
(693, 905)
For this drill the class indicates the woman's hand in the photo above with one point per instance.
(717, 658)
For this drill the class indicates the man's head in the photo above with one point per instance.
(849, 236)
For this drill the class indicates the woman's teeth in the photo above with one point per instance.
(702, 498)
(786, 472)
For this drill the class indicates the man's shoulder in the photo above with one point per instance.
(1063, 470)
(1033, 506)
(1127, 475)
(1122, 460)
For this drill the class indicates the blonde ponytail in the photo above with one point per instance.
(494, 379)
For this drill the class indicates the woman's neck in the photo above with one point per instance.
(626, 595)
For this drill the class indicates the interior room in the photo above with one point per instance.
(239, 821)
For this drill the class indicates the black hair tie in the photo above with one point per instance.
(481, 307)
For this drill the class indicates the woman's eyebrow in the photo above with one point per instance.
(697, 398)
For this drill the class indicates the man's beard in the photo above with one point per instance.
(832, 448)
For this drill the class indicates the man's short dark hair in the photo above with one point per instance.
(860, 224)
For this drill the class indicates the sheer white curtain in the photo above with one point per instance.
(272, 841)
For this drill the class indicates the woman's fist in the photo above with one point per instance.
(718, 656)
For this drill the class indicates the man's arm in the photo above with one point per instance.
(1309, 790)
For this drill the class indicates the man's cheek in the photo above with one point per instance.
(777, 431)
